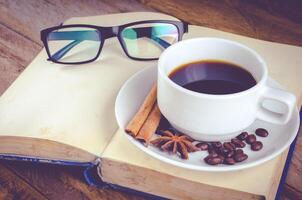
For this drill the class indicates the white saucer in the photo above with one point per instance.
(133, 93)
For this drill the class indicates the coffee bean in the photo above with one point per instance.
(229, 146)
(211, 150)
(256, 146)
(219, 150)
(250, 139)
(221, 157)
(238, 151)
(214, 161)
(223, 151)
(216, 144)
(202, 146)
(229, 154)
(240, 157)
(209, 156)
(242, 136)
(213, 154)
(229, 161)
(261, 132)
(234, 147)
(238, 143)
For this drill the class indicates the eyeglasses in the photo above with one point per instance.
(78, 44)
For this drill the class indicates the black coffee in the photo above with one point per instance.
(213, 77)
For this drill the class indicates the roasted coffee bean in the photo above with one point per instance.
(238, 143)
(220, 150)
(213, 154)
(229, 161)
(232, 145)
(229, 154)
(256, 146)
(202, 146)
(221, 157)
(240, 157)
(261, 132)
(223, 151)
(229, 146)
(207, 158)
(216, 145)
(214, 161)
(210, 156)
(242, 136)
(238, 151)
(250, 139)
(211, 150)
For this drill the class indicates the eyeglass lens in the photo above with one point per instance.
(147, 41)
(77, 44)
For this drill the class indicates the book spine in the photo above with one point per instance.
(93, 177)
(90, 168)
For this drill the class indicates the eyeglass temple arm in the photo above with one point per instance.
(161, 42)
(60, 53)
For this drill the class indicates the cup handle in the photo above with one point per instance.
(288, 99)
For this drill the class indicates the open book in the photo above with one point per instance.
(64, 114)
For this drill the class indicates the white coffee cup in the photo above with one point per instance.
(213, 117)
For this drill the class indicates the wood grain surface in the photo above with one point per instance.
(21, 22)
(272, 20)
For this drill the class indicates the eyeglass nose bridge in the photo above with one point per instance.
(109, 32)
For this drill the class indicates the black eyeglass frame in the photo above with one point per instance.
(109, 32)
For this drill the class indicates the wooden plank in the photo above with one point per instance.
(61, 182)
(15, 53)
(18, 15)
(291, 193)
(14, 187)
(293, 187)
(257, 19)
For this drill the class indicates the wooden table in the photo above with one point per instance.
(21, 21)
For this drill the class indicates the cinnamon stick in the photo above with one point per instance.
(150, 125)
(140, 117)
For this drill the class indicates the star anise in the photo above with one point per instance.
(175, 143)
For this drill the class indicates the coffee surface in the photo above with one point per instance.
(213, 77)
